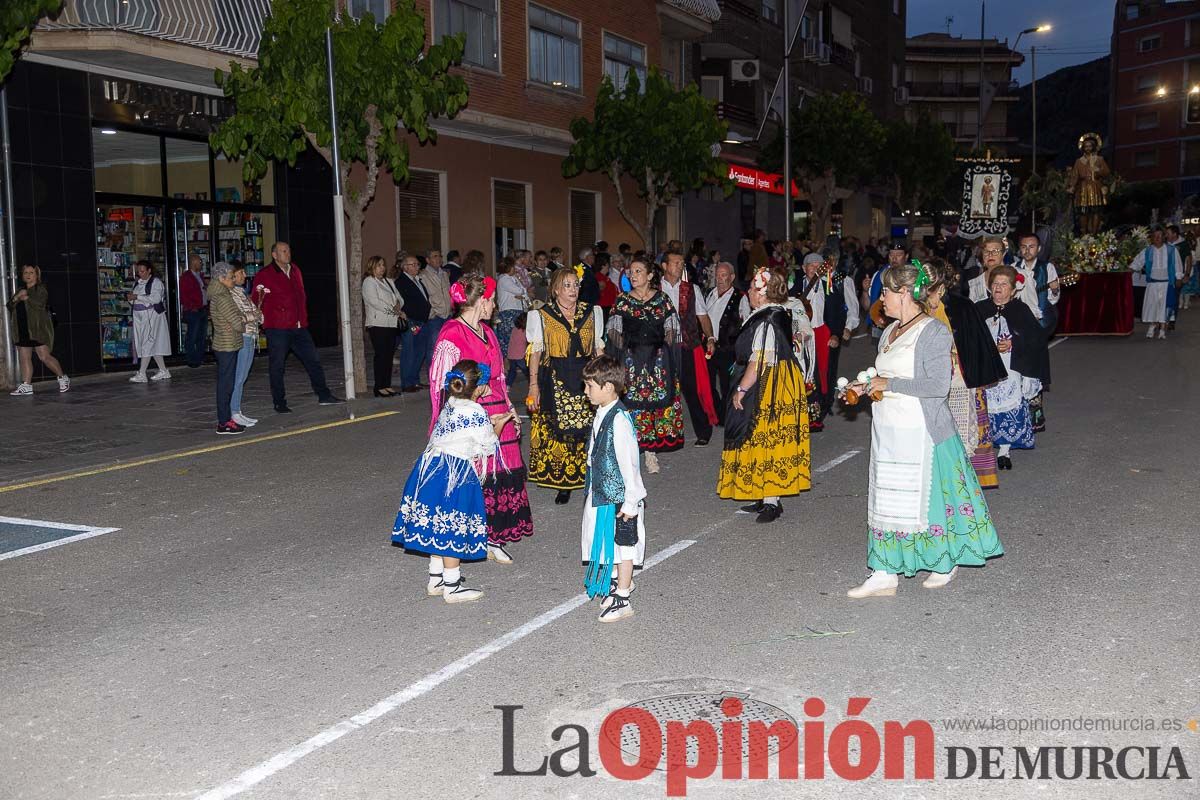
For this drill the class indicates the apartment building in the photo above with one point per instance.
(1155, 94)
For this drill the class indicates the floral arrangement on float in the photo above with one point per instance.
(1104, 251)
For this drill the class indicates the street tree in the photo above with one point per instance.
(17, 18)
(835, 146)
(918, 159)
(664, 140)
(388, 83)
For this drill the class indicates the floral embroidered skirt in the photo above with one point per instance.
(443, 522)
(652, 395)
(1013, 427)
(507, 502)
(960, 530)
(774, 460)
(558, 441)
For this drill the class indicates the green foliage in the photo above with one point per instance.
(832, 134)
(661, 138)
(1046, 196)
(17, 18)
(918, 157)
(385, 78)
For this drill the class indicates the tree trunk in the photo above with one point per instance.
(355, 219)
(820, 192)
(646, 233)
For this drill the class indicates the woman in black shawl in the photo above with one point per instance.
(766, 453)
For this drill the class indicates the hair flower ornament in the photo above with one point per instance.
(578, 270)
(451, 375)
(457, 293)
(923, 279)
(485, 374)
(489, 287)
(761, 279)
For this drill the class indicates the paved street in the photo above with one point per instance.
(249, 631)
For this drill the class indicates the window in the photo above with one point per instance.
(583, 217)
(511, 211)
(807, 29)
(379, 9)
(1148, 43)
(896, 7)
(128, 163)
(419, 212)
(1145, 122)
(770, 10)
(477, 19)
(1132, 11)
(187, 169)
(622, 57)
(895, 75)
(553, 48)
(1146, 158)
(1147, 83)
(712, 87)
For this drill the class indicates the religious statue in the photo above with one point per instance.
(1085, 183)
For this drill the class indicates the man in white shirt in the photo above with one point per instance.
(1160, 264)
(696, 332)
(436, 281)
(728, 308)
(1041, 290)
(835, 317)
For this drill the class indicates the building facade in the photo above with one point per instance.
(942, 78)
(1155, 103)
(840, 46)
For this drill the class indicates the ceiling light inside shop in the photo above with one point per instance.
(108, 131)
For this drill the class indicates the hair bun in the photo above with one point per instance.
(457, 385)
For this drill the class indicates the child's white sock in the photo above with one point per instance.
(450, 576)
(435, 565)
(1004, 450)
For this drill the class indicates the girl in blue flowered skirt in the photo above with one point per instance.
(442, 512)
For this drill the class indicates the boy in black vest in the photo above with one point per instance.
(614, 534)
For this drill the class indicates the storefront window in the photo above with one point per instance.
(125, 234)
(187, 170)
(232, 189)
(128, 163)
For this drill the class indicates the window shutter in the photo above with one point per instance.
(510, 205)
(419, 209)
(583, 222)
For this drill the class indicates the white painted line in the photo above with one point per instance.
(85, 532)
(1056, 342)
(285, 759)
(842, 459)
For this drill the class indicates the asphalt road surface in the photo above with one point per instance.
(248, 631)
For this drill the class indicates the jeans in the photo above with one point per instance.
(245, 360)
(383, 342)
(194, 339)
(281, 342)
(414, 348)
(226, 376)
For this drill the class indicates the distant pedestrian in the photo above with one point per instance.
(443, 512)
(193, 298)
(285, 322)
(416, 344)
(518, 343)
(228, 326)
(253, 316)
(436, 281)
(453, 268)
(33, 330)
(383, 316)
(151, 335)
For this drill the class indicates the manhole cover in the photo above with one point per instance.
(685, 708)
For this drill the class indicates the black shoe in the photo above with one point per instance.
(193, 366)
(753, 508)
(769, 513)
(562, 498)
(1039, 428)
(1004, 462)
(330, 401)
(702, 443)
(411, 389)
(282, 409)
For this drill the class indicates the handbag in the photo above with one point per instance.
(627, 532)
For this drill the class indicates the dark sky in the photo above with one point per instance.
(1081, 28)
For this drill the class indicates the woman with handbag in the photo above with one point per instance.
(563, 335)
(766, 453)
(151, 335)
(33, 330)
(384, 318)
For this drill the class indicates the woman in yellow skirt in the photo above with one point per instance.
(766, 454)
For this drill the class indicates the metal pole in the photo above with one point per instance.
(8, 270)
(1033, 91)
(979, 112)
(787, 124)
(339, 230)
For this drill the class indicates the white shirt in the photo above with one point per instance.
(716, 304)
(510, 293)
(625, 444)
(816, 298)
(672, 291)
(1159, 270)
(1029, 290)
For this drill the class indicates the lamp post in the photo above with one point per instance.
(1033, 89)
(339, 224)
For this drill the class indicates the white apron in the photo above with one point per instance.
(901, 448)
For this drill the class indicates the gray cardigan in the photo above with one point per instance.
(931, 378)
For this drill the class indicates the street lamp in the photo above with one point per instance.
(1032, 87)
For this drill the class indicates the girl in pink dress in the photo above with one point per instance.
(468, 336)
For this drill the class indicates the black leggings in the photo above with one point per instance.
(383, 342)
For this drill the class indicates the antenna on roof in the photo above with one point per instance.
(949, 22)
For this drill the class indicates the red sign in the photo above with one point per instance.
(120, 215)
(759, 181)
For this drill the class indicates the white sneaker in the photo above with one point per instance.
(880, 584)
(242, 419)
(612, 592)
(619, 608)
(652, 463)
(22, 390)
(162, 375)
(64, 383)
(139, 377)
(459, 593)
(436, 585)
(497, 553)
(1150, 332)
(937, 580)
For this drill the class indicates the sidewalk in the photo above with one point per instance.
(106, 419)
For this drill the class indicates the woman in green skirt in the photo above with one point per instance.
(925, 511)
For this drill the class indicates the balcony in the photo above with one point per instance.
(866, 85)
(957, 91)
(231, 27)
(842, 56)
(737, 115)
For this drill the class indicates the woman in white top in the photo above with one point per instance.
(151, 336)
(382, 312)
(511, 299)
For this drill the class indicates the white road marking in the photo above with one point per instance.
(85, 532)
(1056, 343)
(282, 760)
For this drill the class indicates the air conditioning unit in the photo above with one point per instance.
(816, 50)
(744, 70)
(866, 85)
(902, 95)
